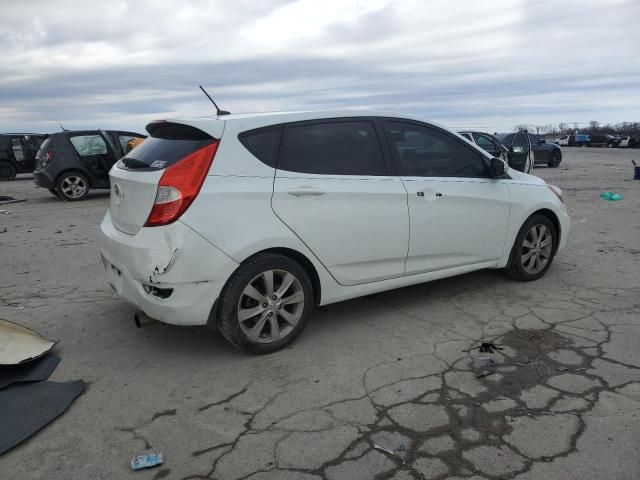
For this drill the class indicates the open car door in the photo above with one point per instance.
(520, 154)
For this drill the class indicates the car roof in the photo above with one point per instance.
(24, 134)
(215, 125)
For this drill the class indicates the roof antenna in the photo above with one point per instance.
(63, 129)
(218, 111)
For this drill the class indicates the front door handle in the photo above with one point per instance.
(303, 192)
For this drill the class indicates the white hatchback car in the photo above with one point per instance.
(245, 222)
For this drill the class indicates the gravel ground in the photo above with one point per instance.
(392, 369)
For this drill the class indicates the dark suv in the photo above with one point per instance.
(69, 164)
(18, 153)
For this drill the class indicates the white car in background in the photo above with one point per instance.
(245, 222)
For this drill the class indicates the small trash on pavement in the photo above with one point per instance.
(19, 344)
(483, 362)
(146, 461)
(488, 347)
(610, 196)
(384, 449)
(5, 199)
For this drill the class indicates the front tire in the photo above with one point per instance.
(7, 171)
(533, 250)
(265, 304)
(72, 186)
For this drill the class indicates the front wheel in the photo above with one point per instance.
(72, 186)
(533, 250)
(556, 158)
(7, 171)
(265, 304)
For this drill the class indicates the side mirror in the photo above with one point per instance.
(497, 168)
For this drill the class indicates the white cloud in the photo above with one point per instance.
(497, 63)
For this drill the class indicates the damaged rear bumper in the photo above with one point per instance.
(170, 273)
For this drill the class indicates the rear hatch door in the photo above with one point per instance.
(134, 179)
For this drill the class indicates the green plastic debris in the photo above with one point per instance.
(610, 196)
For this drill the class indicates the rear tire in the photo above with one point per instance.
(7, 171)
(72, 186)
(556, 158)
(533, 250)
(265, 304)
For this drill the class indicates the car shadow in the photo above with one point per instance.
(200, 340)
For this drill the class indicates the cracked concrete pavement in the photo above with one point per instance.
(401, 369)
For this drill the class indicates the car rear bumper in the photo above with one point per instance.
(174, 260)
(43, 179)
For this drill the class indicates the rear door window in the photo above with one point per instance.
(88, 145)
(332, 148)
(18, 149)
(422, 151)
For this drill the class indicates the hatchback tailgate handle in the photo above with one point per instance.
(305, 192)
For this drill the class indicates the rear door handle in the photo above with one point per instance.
(430, 194)
(302, 192)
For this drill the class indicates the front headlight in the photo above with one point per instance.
(557, 191)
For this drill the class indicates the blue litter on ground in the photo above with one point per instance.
(610, 196)
(146, 461)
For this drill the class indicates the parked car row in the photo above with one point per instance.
(522, 150)
(611, 141)
(67, 163)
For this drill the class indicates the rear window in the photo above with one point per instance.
(159, 153)
(340, 148)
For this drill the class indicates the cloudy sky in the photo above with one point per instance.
(464, 63)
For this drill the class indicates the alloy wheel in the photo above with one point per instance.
(73, 186)
(537, 248)
(270, 306)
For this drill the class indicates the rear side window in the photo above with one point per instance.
(87, 145)
(332, 148)
(262, 143)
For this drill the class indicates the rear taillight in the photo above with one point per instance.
(179, 186)
(47, 157)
